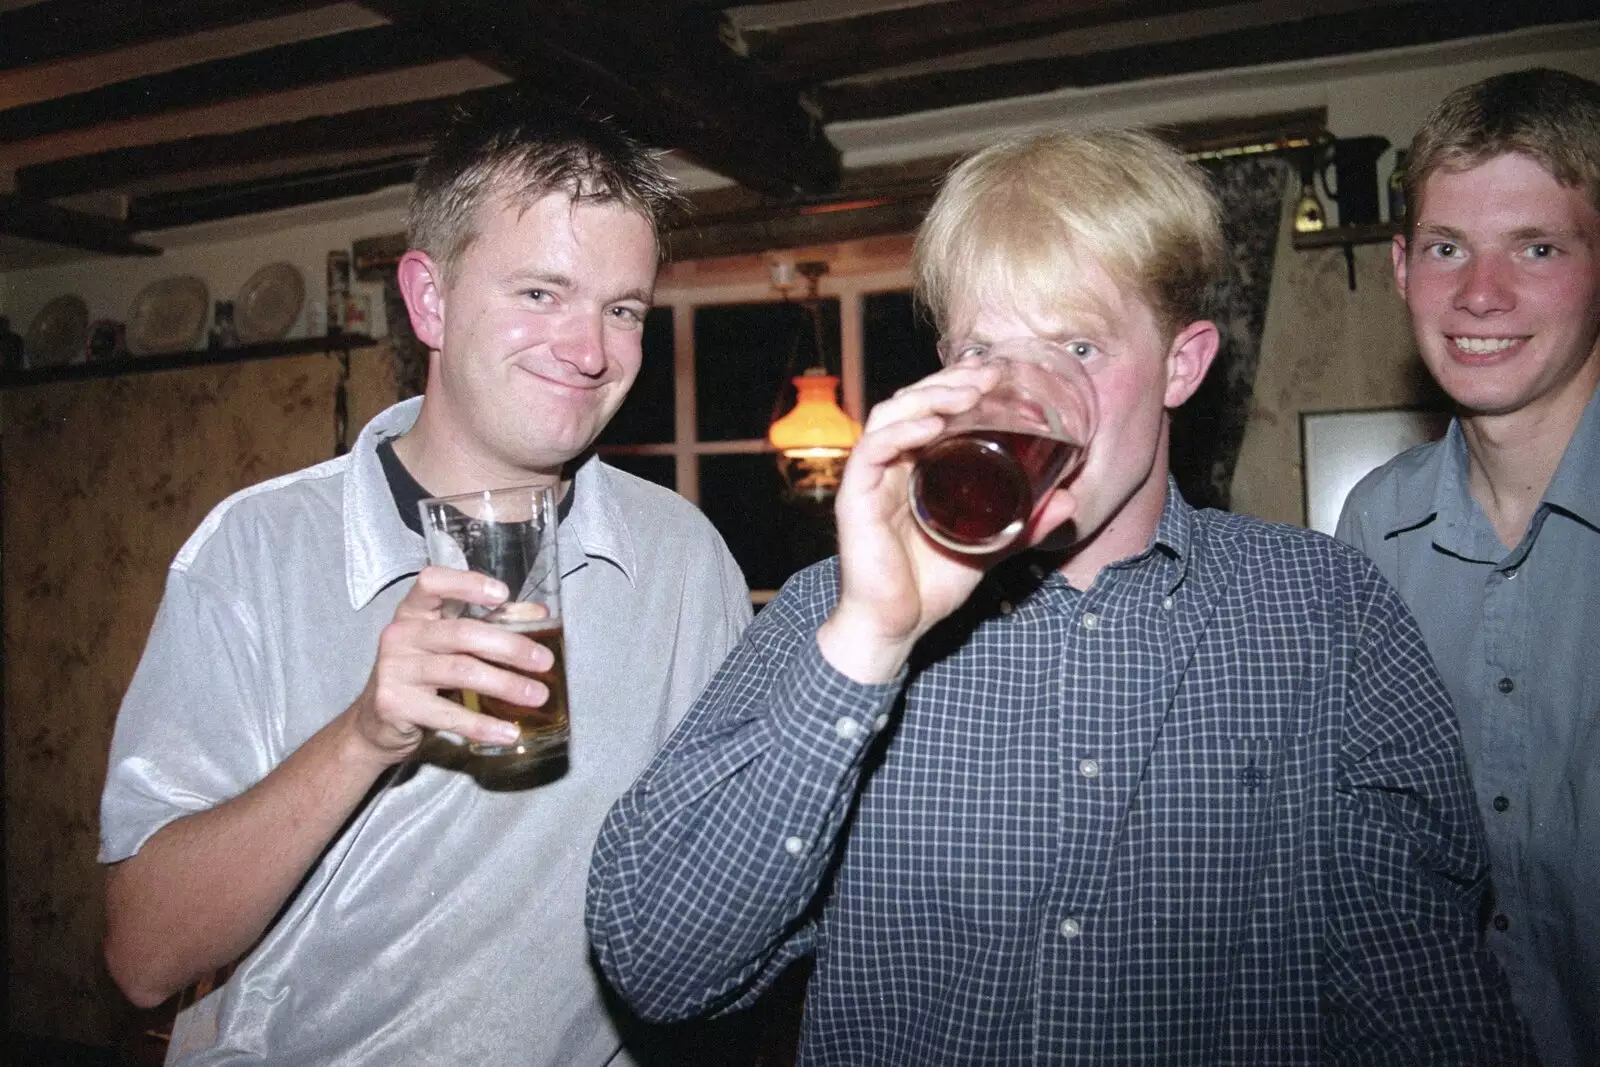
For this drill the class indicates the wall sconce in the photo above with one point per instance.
(815, 438)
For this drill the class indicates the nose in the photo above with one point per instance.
(1486, 286)
(582, 345)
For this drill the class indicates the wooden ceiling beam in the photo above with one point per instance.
(823, 51)
(668, 81)
(893, 198)
(369, 129)
(272, 70)
(37, 220)
(162, 210)
(1399, 26)
(53, 30)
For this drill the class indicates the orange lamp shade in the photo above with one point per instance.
(817, 427)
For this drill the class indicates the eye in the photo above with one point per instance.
(627, 316)
(539, 296)
(1444, 250)
(1081, 349)
(1542, 251)
(956, 351)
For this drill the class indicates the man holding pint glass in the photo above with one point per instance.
(299, 787)
(1130, 783)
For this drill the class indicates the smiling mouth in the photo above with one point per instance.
(1485, 346)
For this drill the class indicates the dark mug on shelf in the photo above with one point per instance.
(1354, 162)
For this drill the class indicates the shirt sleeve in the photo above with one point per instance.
(706, 872)
(1408, 979)
(193, 729)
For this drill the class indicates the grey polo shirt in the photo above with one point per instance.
(1516, 635)
(444, 925)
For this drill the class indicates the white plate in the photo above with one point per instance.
(269, 303)
(58, 334)
(168, 316)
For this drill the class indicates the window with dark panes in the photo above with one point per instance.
(732, 367)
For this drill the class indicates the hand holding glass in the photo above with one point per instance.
(509, 534)
(975, 488)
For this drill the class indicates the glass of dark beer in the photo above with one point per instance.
(509, 534)
(975, 488)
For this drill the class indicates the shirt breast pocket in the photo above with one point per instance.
(1222, 809)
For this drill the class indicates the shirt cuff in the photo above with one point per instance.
(825, 715)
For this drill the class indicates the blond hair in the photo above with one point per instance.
(1548, 115)
(522, 149)
(1009, 220)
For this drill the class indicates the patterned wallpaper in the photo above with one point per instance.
(100, 483)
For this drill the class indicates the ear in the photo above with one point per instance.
(1188, 359)
(1397, 256)
(422, 286)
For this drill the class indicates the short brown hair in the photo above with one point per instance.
(1548, 115)
(523, 149)
(1008, 218)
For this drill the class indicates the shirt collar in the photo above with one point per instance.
(1576, 486)
(597, 527)
(1169, 546)
(380, 548)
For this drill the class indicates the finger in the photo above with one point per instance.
(437, 585)
(464, 672)
(881, 449)
(932, 399)
(474, 637)
(443, 714)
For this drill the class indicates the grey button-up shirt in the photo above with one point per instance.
(444, 925)
(1516, 635)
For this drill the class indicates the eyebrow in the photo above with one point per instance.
(1527, 233)
(563, 281)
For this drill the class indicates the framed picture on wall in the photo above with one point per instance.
(1338, 448)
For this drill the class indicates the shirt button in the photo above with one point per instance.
(846, 729)
(1501, 803)
(1502, 923)
(1166, 603)
(1089, 768)
(880, 722)
(1006, 608)
(1090, 620)
(1505, 685)
(794, 846)
(1511, 572)
(1071, 928)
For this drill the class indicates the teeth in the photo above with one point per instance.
(1482, 346)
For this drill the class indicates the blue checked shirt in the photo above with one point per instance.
(1211, 811)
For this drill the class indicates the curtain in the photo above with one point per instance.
(1208, 431)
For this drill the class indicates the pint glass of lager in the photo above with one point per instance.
(509, 534)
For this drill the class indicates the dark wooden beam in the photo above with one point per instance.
(37, 220)
(369, 129)
(669, 82)
(162, 210)
(796, 228)
(1354, 32)
(822, 51)
(893, 198)
(272, 70)
(60, 29)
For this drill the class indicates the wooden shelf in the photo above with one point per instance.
(112, 368)
(1376, 233)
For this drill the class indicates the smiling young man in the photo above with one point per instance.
(1493, 534)
(1175, 787)
(280, 796)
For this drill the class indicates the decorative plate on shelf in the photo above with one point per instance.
(269, 302)
(58, 334)
(168, 316)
